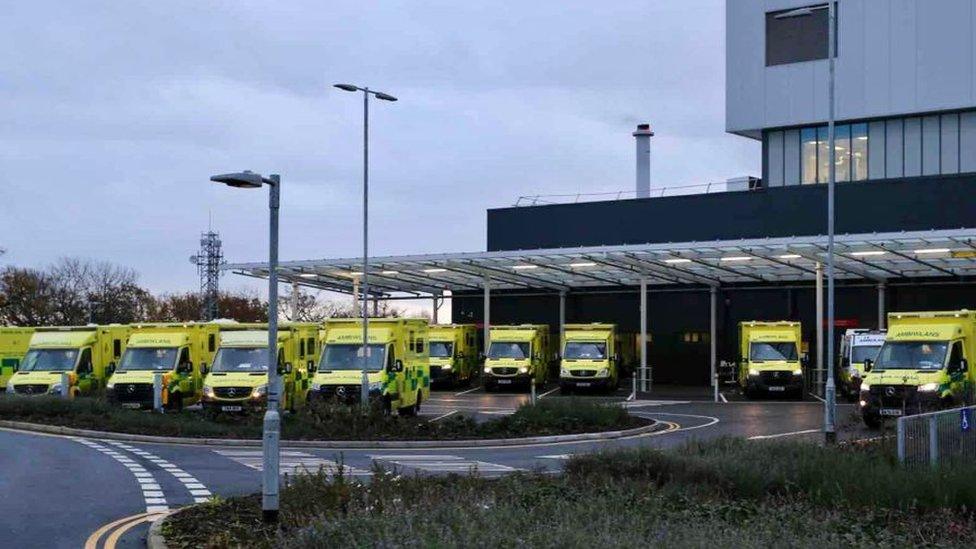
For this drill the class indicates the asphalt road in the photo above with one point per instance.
(58, 491)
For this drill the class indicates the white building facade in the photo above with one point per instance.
(905, 87)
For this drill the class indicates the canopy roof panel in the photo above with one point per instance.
(876, 256)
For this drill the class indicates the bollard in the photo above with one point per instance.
(158, 392)
(65, 385)
(532, 389)
(933, 441)
(715, 386)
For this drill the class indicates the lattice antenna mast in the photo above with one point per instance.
(208, 261)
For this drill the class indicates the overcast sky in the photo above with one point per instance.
(116, 113)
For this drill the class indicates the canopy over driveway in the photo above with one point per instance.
(878, 257)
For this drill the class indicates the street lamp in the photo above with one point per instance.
(272, 419)
(364, 392)
(830, 390)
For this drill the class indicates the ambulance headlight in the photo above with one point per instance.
(55, 389)
(375, 387)
(753, 372)
(260, 391)
(798, 372)
(524, 370)
(110, 385)
(208, 391)
(316, 386)
(564, 372)
(10, 386)
(487, 370)
(865, 386)
(928, 388)
(603, 373)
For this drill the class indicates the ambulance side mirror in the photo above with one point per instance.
(204, 369)
(312, 367)
(397, 366)
(868, 364)
(964, 365)
(185, 368)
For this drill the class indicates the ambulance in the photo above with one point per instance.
(180, 351)
(769, 361)
(397, 363)
(13, 346)
(856, 346)
(517, 355)
(238, 380)
(593, 356)
(925, 364)
(453, 354)
(88, 354)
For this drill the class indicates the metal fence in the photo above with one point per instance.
(937, 438)
(656, 192)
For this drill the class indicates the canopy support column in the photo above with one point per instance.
(487, 314)
(562, 316)
(881, 306)
(355, 298)
(643, 335)
(433, 316)
(819, 377)
(712, 333)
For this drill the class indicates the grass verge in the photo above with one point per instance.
(322, 421)
(619, 498)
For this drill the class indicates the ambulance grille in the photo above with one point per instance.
(30, 389)
(232, 392)
(584, 373)
(133, 392)
(782, 376)
(504, 371)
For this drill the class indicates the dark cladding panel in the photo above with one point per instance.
(862, 207)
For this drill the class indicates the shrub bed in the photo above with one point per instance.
(613, 499)
(323, 421)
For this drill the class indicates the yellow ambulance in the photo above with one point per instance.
(770, 358)
(13, 346)
(453, 353)
(593, 356)
(517, 356)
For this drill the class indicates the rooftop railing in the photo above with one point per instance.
(659, 192)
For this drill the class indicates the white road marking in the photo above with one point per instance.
(816, 397)
(722, 396)
(557, 456)
(437, 463)
(291, 463)
(147, 483)
(779, 435)
(547, 393)
(194, 487)
(440, 417)
(471, 390)
(643, 403)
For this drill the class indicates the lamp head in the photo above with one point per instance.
(244, 180)
(346, 87)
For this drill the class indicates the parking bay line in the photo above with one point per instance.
(292, 462)
(439, 463)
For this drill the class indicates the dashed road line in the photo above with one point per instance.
(780, 435)
(152, 493)
(471, 390)
(442, 416)
(197, 490)
(292, 462)
(438, 463)
(549, 392)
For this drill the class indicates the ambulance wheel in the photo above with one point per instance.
(176, 402)
(872, 421)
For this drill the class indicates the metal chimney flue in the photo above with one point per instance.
(643, 137)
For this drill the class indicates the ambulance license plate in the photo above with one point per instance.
(231, 408)
(777, 388)
(135, 405)
(584, 384)
(504, 381)
(892, 412)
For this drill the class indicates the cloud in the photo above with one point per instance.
(118, 113)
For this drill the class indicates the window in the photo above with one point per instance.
(301, 347)
(823, 155)
(808, 151)
(955, 357)
(310, 346)
(212, 343)
(85, 362)
(859, 152)
(842, 152)
(117, 348)
(797, 38)
(184, 356)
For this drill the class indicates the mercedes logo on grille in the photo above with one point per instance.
(341, 391)
(890, 391)
(231, 392)
(28, 389)
(131, 388)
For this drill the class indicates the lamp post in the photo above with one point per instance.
(272, 420)
(364, 392)
(830, 390)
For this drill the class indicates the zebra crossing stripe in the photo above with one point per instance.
(437, 463)
(292, 462)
